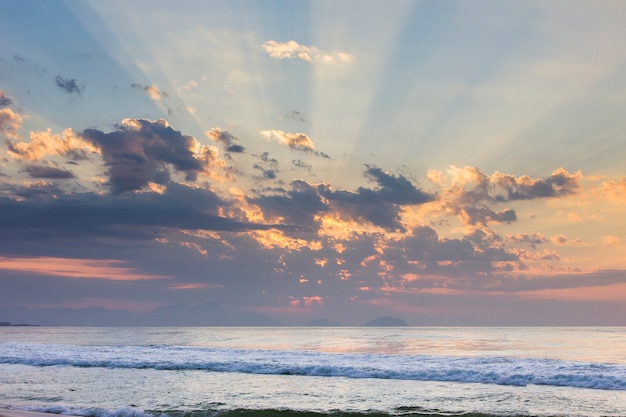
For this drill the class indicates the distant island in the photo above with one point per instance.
(8, 324)
(386, 321)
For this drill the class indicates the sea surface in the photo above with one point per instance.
(314, 372)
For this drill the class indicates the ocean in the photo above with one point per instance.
(314, 372)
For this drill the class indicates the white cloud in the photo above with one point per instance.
(292, 49)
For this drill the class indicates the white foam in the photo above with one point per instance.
(488, 370)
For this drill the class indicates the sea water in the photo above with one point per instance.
(284, 371)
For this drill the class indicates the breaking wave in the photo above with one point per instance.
(486, 370)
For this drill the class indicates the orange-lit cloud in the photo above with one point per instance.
(611, 240)
(273, 238)
(44, 143)
(294, 305)
(614, 190)
(193, 286)
(10, 122)
(108, 269)
(195, 247)
(151, 90)
(609, 293)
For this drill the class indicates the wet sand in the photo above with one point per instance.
(20, 413)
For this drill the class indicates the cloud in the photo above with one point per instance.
(421, 260)
(380, 207)
(193, 84)
(296, 141)
(471, 192)
(560, 183)
(484, 215)
(44, 214)
(611, 240)
(108, 269)
(305, 203)
(363, 205)
(470, 185)
(292, 49)
(298, 206)
(5, 100)
(69, 85)
(297, 163)
(267, 165)
(43, 143)
(141, 151)
(296, 115)
(396, 188)
(614, 190)
(10, 122)
(227, 139)
(532, 239)
(267, 173)
(48, 172)
(151, 90)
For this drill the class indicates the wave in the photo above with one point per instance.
(487, 370)
(268, 412)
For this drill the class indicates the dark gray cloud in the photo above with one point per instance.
(267, 165)
(267, 173)
(558, 184)
(423, 259)
(364, 205)
(265, 157)
(48, 172)
(235, 149)
(295, 115)
(484, 215)
(47, 213)
(381, 206)
(5, 100)
(69, 85)
(532, 239)
(501, 187)
(396, 188)
(142, 151)
(298, 163)
(296, 206)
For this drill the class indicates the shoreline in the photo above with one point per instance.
(4, 412)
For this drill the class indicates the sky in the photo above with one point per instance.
(254, 162)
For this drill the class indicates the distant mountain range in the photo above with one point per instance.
(209, 314)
